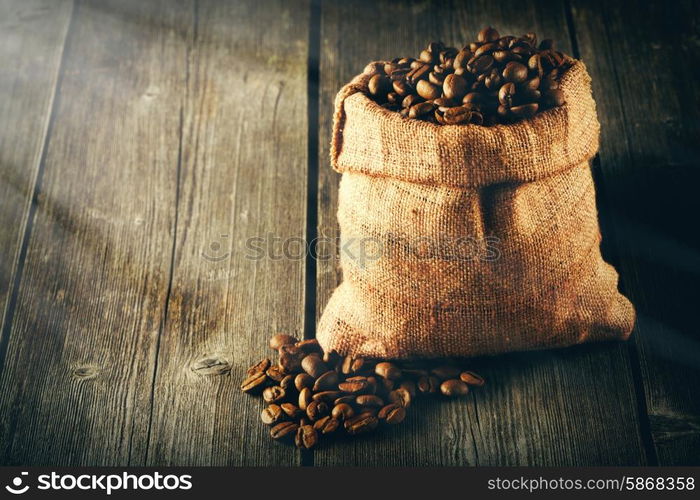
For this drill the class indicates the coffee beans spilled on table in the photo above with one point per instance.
(310, 394)
(493, 80)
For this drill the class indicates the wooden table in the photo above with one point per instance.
(142, 144)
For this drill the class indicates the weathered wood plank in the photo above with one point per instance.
(569, 407)
(32, 34)
(244, 164)
(643, 57)
(76, 384)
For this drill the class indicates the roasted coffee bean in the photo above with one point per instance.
(428, 90)
(287, 383)
(276, 373)
(371, 385)
(436, 78)
(428, 385)
(454, 387)
(443, 372)
(254, 383)
(401, 397)
(284, 430)
(352, 365)
(290, 358)
(292, 411)
(260, 366)
(305, 398)
(272, 415)
(488, 34)
(457, 115)
(344, 400)
(342, 411)
(369, 400)
(326, 382)
(314, 365)
(327, 396)
(454, 87)
(554, 97)
(514, 72)
(506, 94)
(481, 64)
(309, 346)
(316, 410)
(331, 358)
(303, 380)
(409, 101)
(306, 437)
(354, 385)
(392, 414)
(361, 424)
(274, 394)
(379, 86)
(420, 109)
(327, 425)
(471, 378)
(281, 339)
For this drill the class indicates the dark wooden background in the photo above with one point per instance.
(141, 145)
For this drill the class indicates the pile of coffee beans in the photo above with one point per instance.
(310, 393)
(496, 79)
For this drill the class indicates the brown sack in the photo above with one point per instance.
(477, 240)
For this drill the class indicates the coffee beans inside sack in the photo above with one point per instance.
(466, 206)
(310, 395)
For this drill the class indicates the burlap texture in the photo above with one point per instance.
(477, 240)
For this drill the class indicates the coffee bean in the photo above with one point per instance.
(471, 378)
(274, 394)
(553, 97)
(354, 385)
(276, 373)
(281, 339)
(410, 100)
(327, 396)
(361, 424)
(344, 400)
(287, 383)
(292, 411)
(254, 383)
(514, 72)
(379, 86)
(352, 365)
(303, 380)
(290, 358)
(427, 90)
(481, 64)
(305, 398)
(454, 87)
(524, 110)
(314, 365)
(428, 385)
(331, 358)
(327, 425)
(369, 400)
(387, 370)
(327, 381)
(506, 94)
(392, 414)
(306, 437)
(342, 411)
(316, 410)
(401, 397)
(410, 387)
(488, 34)
(260, 366)
(309, 346)
(272, 414)
(284, 430)
(420, 109)
(457, 115)
(454, 387)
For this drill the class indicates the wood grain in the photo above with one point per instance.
(567, 407)
(643, 58)
(76, 384)
(32, 35)
(243, 176)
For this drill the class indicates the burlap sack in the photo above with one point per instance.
(522, 198)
